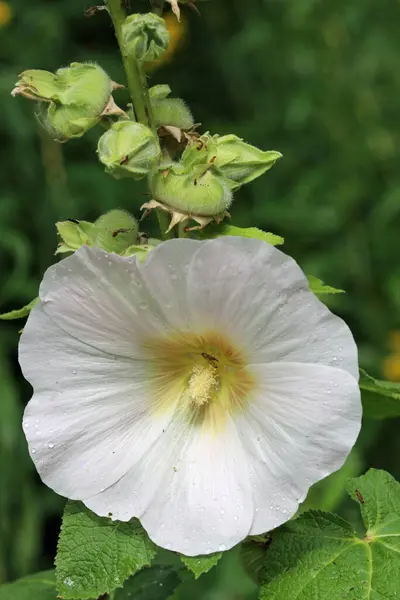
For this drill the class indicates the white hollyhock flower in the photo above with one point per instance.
(202, 391)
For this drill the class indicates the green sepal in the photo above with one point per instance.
(240, 162)
(19, 313)
(75, 234)
(140, 252)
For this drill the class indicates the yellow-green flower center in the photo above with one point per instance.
(207, 374)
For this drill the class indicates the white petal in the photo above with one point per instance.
(297, 430)
(165, 273)
(261, 296)
(89, 419)
(101, 299)
(191, 491)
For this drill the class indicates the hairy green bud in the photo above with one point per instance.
(145, 36)
(196, 194)
(116, 231)
(73, 98)
(169, 111)
(240, 163)
(128, 149)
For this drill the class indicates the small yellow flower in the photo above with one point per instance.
(391, 364)
(177, 31)
(5, 13)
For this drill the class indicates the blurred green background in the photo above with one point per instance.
(318, 81)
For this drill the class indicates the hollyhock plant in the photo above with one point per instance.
(189, 389)
(202, 391)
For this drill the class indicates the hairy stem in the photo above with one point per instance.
(134, 73)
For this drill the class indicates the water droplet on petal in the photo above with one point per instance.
(221, 547)
(51, 445)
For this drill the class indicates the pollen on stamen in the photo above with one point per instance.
(201, 383)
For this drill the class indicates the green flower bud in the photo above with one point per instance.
(116, 231)
(145, 36)
(239, 162)
(128, 149)
(169, 111)
(77, 96)
(197, 194)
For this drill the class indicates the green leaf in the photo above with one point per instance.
(96, 555)
(201, 564)
(214, 231)
(381, 399)
(319, 555)
(40, 586)
(20, 313)
(319, 288)
(155, 583)
(378, 496)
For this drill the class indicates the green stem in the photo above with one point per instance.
(134, 73)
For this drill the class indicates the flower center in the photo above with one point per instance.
(202, 382)
(205, 375)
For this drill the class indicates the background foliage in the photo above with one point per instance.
(317, 81)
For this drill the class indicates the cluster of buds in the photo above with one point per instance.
(72, 100)
(191, 176)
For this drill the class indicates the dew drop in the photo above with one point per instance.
(221, 547)
(143, 305)
(222, 511)
(51, 445)
(73, 372)
(33, 451)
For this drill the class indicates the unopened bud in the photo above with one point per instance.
(116, 231)
(128, 149)
(76, 95)
(169, 111)
(240, 163)
(145, 36)
(198, 195)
